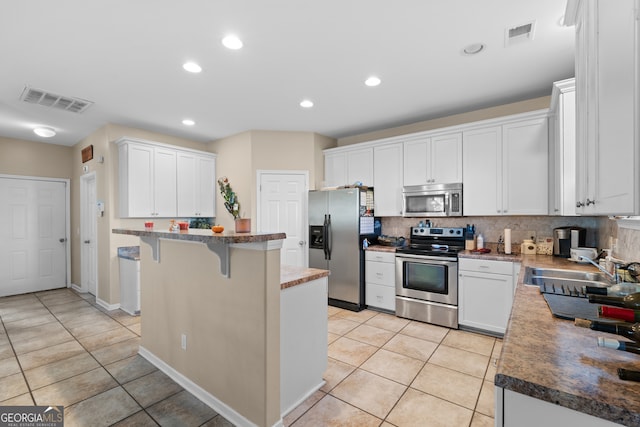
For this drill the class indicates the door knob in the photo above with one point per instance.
(62, 240)
(301, 242)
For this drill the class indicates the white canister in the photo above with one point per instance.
(528, 247)
(480, 242)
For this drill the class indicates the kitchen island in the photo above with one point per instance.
(218, 318)
(552, 373)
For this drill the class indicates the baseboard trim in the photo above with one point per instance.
(204, 396)
(106, 305)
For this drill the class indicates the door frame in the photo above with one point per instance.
(67, 214)
(305, 202)
(83, 182)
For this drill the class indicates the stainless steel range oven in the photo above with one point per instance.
(427, 276)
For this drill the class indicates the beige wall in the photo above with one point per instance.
(242, 155)
(457, 119)
(18, 157)
(107, 191)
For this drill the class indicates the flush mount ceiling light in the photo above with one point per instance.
(372, 81)
(473, 48)
(188, 122)
(44, 132)
(192, 67)
(232, 42)
(306, 103)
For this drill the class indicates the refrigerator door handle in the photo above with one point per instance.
(325, 225)
(329, 234)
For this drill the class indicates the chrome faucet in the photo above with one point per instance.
(615, 276)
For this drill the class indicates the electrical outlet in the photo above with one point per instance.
(183, 341)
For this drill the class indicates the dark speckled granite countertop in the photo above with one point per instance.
(553, 360)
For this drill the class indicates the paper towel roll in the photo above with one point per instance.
(575, 238)
(507, 240)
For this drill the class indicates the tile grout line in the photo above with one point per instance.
(399, 332)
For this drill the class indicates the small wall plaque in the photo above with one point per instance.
(87, 153)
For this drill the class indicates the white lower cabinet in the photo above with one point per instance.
(518, 410)
(485, 294)
(380, 282)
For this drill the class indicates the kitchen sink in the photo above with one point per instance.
(564, 282)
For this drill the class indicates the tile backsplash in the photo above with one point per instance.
(492, 227)
(601, 231)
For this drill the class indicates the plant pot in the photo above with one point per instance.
(243, 225)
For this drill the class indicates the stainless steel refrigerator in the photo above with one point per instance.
(339, 221)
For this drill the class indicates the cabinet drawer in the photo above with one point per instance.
(486, 266)
(380, 256)
(380, 296)
(380, 273)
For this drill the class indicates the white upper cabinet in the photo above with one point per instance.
(505, 168)
(147, 181)
(345, 167)
(157, 180)
(482, 176)
(387, 179)
(433, 160)
(607, 102)
(562, 149)
(196, 184)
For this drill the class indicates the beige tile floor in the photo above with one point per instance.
(58, 347)
(387, 371)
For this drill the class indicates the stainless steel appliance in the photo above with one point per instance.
(432, 200)
(427, 276)
(339, 221)
(565, 238)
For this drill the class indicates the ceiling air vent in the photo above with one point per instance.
(518, 34)
(51, 100)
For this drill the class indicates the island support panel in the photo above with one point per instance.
(232, 325)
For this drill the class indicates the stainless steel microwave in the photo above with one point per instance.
(432, 200)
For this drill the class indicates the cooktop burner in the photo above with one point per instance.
(435, 241)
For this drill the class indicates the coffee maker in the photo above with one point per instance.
(565, 238)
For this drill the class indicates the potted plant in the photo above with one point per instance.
(243, 225)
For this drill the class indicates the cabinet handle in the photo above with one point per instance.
(590, 202)
(579, 204)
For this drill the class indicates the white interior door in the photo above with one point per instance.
(282, 207)
(33, 236)
(88, 234)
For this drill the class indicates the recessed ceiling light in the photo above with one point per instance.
(188, 122)
(372, 81)
(232, 42)
(44, 132)
(474, 48)
(192, 67)
(306, 103)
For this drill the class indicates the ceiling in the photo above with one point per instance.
(126, 57)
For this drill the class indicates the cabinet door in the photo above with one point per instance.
(387, 180)
(140, 181)
(164, 184)
(415, 162)
(186, 184)
(525, 167)
(482, 171)
(335, 169)
(445, 158)
(360, 166)
(485, 300)
(206, 185)
(616, 186)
